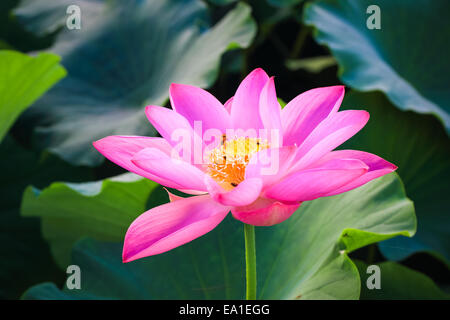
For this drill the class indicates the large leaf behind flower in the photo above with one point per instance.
(23, 79)
(407, 58)
(101, 209)
(124, 57)
(420, 147)
(304, 257)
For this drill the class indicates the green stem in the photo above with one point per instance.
(250, 259)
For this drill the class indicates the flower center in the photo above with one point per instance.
(228, 161)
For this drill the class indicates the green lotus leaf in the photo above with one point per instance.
(304, 257)
(44, 17)
(406, 58)
(23, 79)
(420, 147)
(121, 59)
(101, 209)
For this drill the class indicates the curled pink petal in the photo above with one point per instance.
(171, 225)
(310, 184)
(228, 105)
(329, 134)
(264, 212)
(245, 193)
(196, 104)
(303, 113)
(121, 149)
(245, 108)
(172, 197)
(165, 168)
(377, 167)
(178, 132)
(169, 123)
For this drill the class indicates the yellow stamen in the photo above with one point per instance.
(228, 161)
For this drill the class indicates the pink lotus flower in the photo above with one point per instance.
(306, 168)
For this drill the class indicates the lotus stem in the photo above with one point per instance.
(250, 260)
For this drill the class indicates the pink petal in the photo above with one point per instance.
(173, 197)
(168, 123)
(166, 168)
(264, 212)
(178, 132)
(245, 193)
(121, 149)
(245, 107)
(302, 114)
(305, 185)
(377, 167)
(228, 104)
(270, 112)
(271, 165)
(196, 104)
(171, 225)
(329, 134)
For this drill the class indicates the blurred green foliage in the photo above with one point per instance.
(126, 56)
(25, 256)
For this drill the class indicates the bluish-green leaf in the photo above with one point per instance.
(102, 210)
(124, 57)
(44, 17)
(407, 58)
(420, 147)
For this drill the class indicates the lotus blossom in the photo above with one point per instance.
(310, 128)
